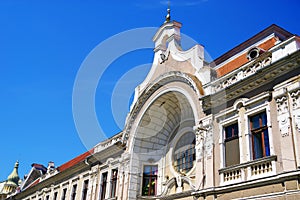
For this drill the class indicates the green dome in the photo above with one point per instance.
(14, 176)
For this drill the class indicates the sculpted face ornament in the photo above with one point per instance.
(163, 58)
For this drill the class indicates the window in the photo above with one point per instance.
(260, 136)
(184, 154)
(73, 195)
(63, 197)
(232, 150)
(85, 189)
(55, 196)
(103, 185)
(149, 180)
(114, 178)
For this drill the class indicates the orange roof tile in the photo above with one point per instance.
(75, 161)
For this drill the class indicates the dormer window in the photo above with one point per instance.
(254, 53)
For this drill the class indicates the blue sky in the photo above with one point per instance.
(43, 44)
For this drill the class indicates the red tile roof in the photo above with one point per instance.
(242, 59)
(280, 32)
(75, 161)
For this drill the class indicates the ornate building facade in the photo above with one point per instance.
(229, 129)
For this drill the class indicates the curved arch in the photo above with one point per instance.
(164, 116)
(172, 182)
(169, 104)
(173, 146)
(174, 76)
(239, 103)
(168, 186)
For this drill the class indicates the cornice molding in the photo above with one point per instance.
(261, 77)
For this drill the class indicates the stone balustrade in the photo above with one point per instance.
(248, 171)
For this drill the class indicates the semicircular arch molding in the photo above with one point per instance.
(175, 81)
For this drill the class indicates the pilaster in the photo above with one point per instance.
(281, 97)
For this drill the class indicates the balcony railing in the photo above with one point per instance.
(248, 171)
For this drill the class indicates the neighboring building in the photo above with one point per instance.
(229, 129)
(11, 185)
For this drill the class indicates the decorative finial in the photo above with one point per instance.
(14, 176)
(168, 17)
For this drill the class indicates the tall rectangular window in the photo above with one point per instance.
(149, 180)
(85, 189)
(64, 193)
(55, 196)
(260, 136)
(73, 195)
(114, 179)
(103, 185)
(232, 149)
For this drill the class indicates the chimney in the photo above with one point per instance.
(50, 167)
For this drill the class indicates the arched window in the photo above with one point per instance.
(184, 153)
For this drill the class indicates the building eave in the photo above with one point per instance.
(262, 77)
(282, 33)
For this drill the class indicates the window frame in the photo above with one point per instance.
(64, 193)
(85, 188)
(185, 154)
(55, 195)
(225, 119)
(103, 185)
(73, 192)
(230, 139)
(259, 131)
(233, 137)
(113, 183)
(151, 177)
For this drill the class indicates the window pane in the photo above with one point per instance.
(231, 131)
(235, 130)
(258, 151)
(255, 122)
(152, 187)
(154, 170)
(184, 153)
(147, 169)
(264, 119)
(267, 145)
(228, 132)
(232, 152)
(145, 187)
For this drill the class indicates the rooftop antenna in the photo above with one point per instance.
(168, 17)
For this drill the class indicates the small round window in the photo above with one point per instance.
(254, 53)
(184, 153)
